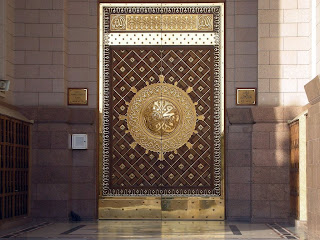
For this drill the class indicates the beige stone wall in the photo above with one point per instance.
(318, 36)
(313, 140)
(284, 52)
(2, 38)
(257, 163)
(55, 43)
(270, 163)
(238, 172)
(241, 47)
(62, 180)
(82, 46)
(7, 46)
(313, 159)
(56, 48)
(313, 163)
(40, 53)
(9, 34)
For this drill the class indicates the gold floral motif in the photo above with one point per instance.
(161, 22)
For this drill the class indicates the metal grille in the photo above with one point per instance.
(14, 167)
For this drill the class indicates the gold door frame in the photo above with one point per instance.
(116, 22)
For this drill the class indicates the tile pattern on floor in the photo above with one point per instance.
(156, 230)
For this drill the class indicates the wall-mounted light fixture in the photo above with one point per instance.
(4, 85)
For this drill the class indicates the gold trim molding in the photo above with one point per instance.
(161, 22)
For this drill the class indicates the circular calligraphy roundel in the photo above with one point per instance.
(161, 117)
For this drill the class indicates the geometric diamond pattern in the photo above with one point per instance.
(188, 169)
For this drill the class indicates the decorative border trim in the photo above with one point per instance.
(156, 39)
(161, 22)
(106, 110)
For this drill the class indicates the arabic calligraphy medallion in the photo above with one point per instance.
(161, 118)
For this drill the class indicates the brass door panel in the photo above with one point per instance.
(200, 208)
(174, 208)
(130, 208)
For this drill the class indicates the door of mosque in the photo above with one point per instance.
(161, 111)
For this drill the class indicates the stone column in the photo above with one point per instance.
(313, 158)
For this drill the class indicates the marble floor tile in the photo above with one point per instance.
(175, 230)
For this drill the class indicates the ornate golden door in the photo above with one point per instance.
(161, 111)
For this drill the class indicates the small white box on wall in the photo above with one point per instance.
(79, 141)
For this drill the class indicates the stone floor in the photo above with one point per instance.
(153, 230)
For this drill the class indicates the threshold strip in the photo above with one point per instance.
(29, 229)
(283, 232)
(72, 230)
(235, 230)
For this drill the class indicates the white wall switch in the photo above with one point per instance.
(79, 141)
